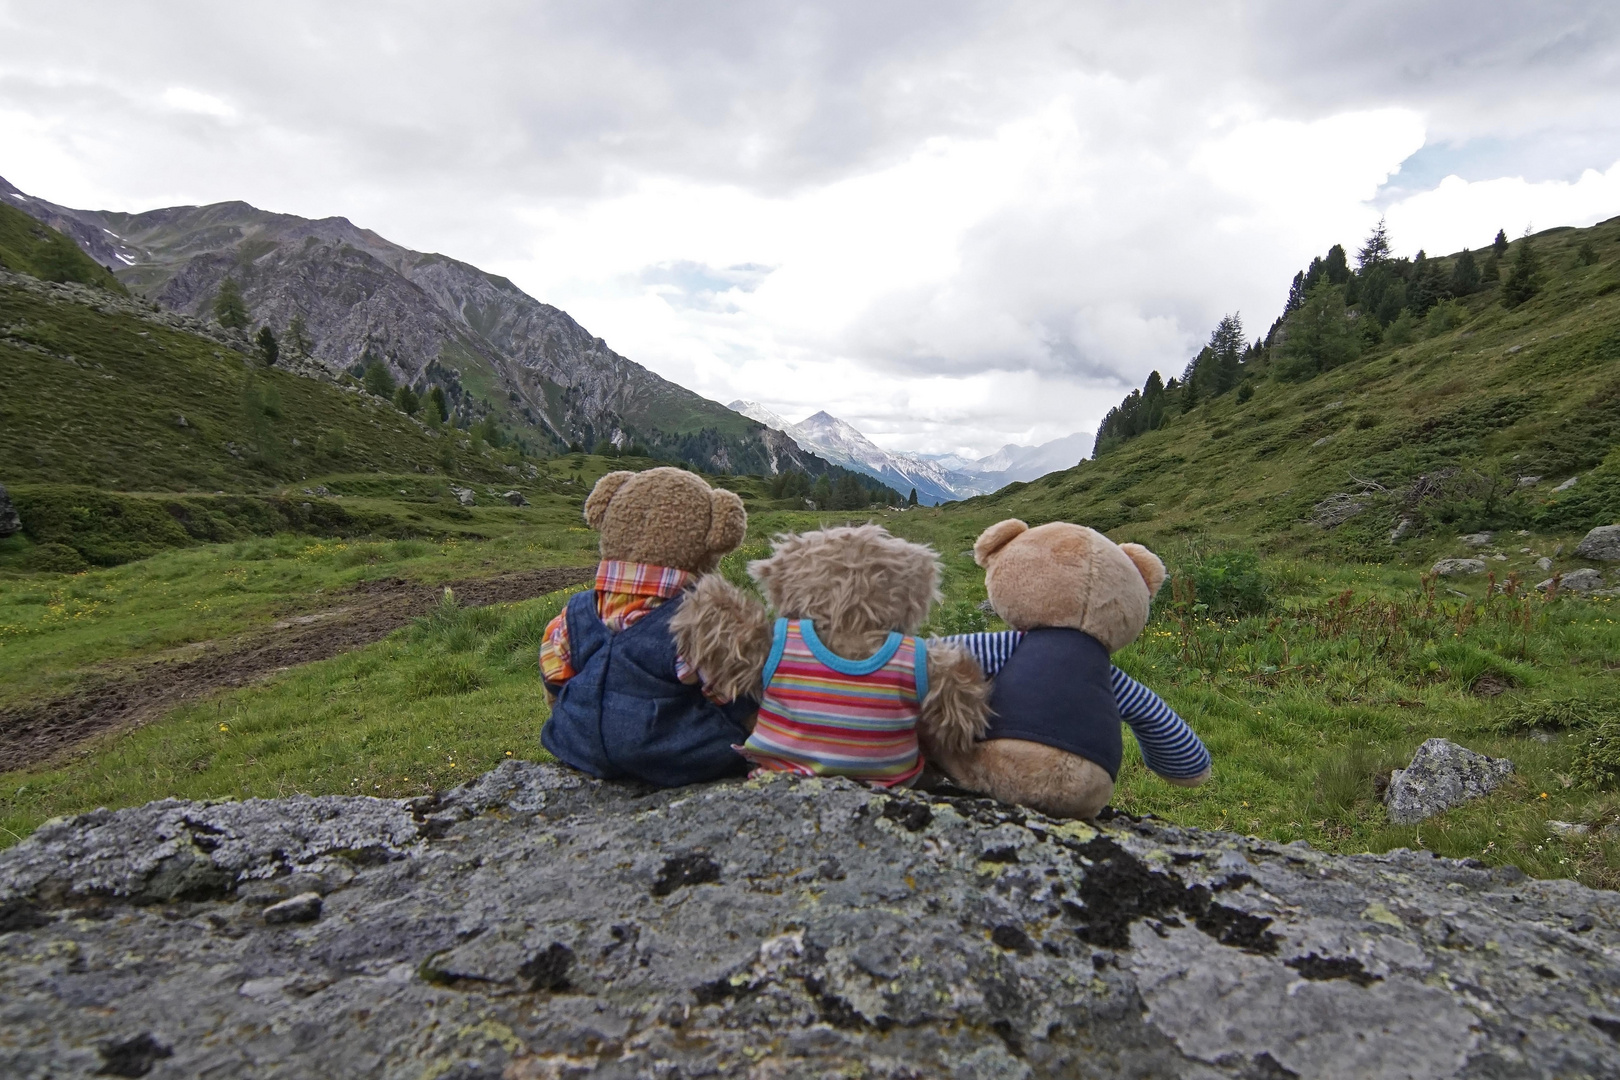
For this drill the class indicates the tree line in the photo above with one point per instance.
(1332, 315)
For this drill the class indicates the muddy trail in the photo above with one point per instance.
(41, 730)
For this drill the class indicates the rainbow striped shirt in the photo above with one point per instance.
(823, 715)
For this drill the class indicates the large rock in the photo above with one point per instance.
(1602, 543)
(10, 523)
(1459, 567)
(540, 924)
(1441, 775)
(1583, 580)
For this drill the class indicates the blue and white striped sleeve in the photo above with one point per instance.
(1168, 745)
(990, 648)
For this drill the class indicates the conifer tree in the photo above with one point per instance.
(269, 350)
(1521, 283)
(1296, 293)
(298, 336)
(230, 310)
(1465, 274)
(1499, 246)
(1336, 267)
(406, 401)
(379, 380)
(1226, 348)
(911, 500)
(438, 404)
(1376, 250)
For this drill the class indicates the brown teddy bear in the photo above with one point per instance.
(843, 683)
(1072, 597)
(625, 704)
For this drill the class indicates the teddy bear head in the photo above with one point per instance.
(666, 517)
(1070, 576)
(850, 580)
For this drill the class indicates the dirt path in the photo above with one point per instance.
(41, 730)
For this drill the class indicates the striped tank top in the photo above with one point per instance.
(823, 715)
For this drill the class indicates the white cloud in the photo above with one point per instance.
(982, 220)
(184, 99)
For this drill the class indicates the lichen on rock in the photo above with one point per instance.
(537, 923)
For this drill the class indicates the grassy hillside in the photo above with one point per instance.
(1471, 426)
(27, 247)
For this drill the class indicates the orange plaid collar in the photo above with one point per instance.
(641, 579)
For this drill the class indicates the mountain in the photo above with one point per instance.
(432, 320)
(1491, 412)
(1013, 463)
(840, 443)
(29, 247)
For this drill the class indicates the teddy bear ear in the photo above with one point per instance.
(728, 521)
(1147, 564)
(596, 504)
(995, 538)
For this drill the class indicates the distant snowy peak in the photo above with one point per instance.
(755, 411)
(1013, 462)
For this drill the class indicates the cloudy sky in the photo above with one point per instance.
(953, 223)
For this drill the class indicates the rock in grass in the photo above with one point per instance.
(537, 923)
(464, 496)
(515, 498)
(1479, 539)
(10, 523)
(1583, 580)
(1602, 544)
(305, 907)
(1441, 775)
(1459, 567)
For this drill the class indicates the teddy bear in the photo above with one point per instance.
(1072, 597)
(624, 702)
(843, 683)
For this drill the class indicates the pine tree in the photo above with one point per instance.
(1296, 293)
(379, 380)
(230, 310)
(298, 336)
(1226, 348)
(406, 401)
(911, 500)
(1337, 266)
(1521, 283)
(1499, 246)
(1376, 250)
(821, 494)
(269, 351)
(1465, 274)
(439, 405)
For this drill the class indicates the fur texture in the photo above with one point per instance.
(726, 635)
(856, 584)
(666, 517)
(1054, 575)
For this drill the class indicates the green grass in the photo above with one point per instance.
(28, 247)
(432, 706)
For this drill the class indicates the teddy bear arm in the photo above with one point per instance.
(1187, 781)
(726, 635)
(956, 710)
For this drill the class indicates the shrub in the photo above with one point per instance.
(1597, 761)
(1562, 713)
(444, 676)
(1230, 583)
(959, 617)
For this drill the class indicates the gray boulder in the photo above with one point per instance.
(1441, 775)
(1602, 544)
(1459, 567)
(1479, 539)
(1567, 484)
(10, 522)
(1583, 580)
(537, 923)
(464, 496)
(515, 498)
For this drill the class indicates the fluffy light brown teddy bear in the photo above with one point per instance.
(1072, 597)
(625, 701)
(843, 683)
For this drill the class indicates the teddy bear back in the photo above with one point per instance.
(1066, 575)
(855, 583)
(666, 517)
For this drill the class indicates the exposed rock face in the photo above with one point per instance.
(10, 523)
(1602, 543)
(540, 924)
(1442, 775)
(1459, 567)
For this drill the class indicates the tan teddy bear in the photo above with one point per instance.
(843, 683)
(625, 703)
(1072, 597)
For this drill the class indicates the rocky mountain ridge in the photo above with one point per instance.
(537, 924)
(432, 319)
